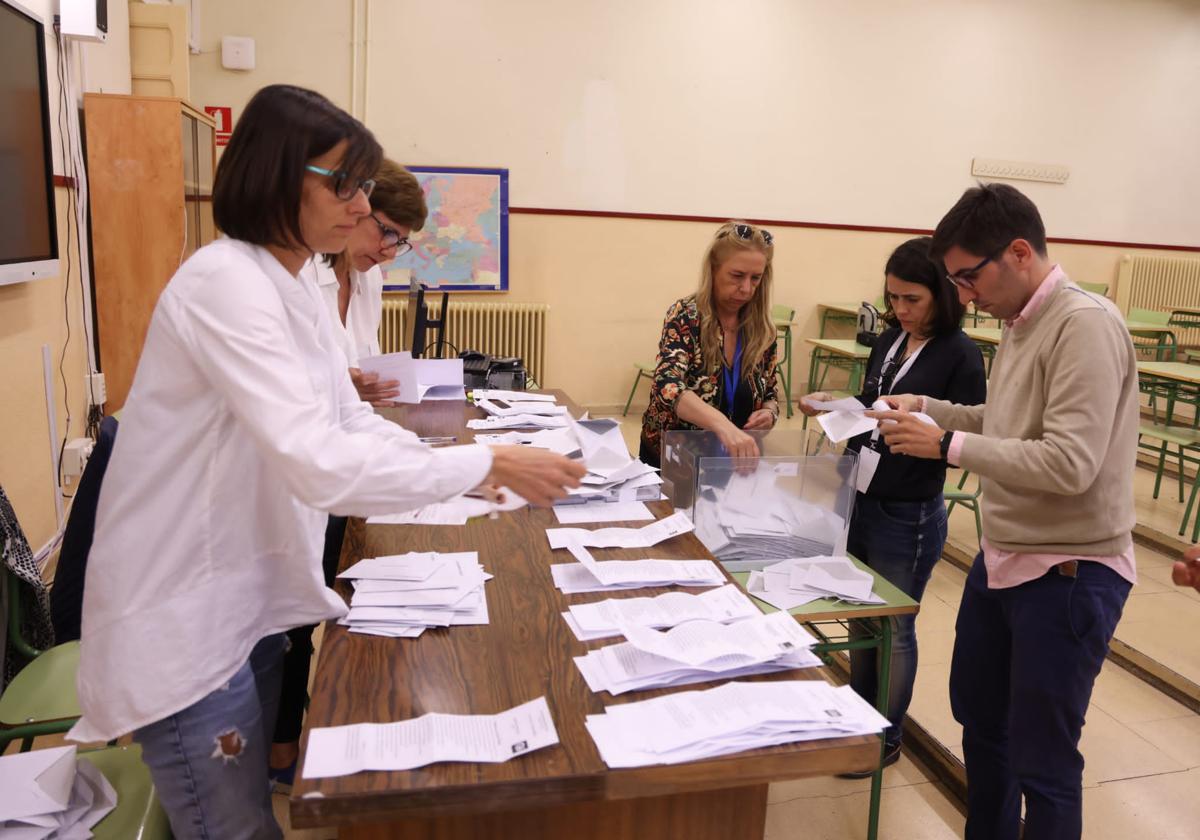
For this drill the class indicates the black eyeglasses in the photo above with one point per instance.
(343, 187)
(390, 238)
(746, 232)
(965, 278)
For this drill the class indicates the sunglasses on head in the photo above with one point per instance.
(746, 232)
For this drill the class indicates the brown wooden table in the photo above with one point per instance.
(525, 652)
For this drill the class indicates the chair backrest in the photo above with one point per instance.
(782, 313)
(1095, 288)
(1149, 316)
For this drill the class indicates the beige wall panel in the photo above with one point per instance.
(158, 51)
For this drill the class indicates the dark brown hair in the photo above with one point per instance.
(259, 180)
(911, 263)
(986, 219)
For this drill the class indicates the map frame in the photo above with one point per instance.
(501, 176)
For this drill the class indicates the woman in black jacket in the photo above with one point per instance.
(899, 522)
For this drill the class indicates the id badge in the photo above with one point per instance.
(868, 462)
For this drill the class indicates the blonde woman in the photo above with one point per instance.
(716, 358)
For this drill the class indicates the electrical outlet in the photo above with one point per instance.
(75, 457)
(1015, 170)
(93, 386)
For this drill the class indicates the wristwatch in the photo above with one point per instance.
(945, 445)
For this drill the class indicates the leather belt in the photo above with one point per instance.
(1067, 568)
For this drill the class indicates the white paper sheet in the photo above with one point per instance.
(644, 537)
(573, 578)
(602, 512)
(431, 738)
(511, 396)
(605, 618)
(36, 782)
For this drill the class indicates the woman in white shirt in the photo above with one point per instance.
(351, 282)
(241, 432)
(351, 285)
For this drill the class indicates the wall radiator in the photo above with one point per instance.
(499, 329)
(1163, 283)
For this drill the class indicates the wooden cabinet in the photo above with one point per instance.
(150, 163)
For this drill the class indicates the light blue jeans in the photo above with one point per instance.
(902, 541)
(209, 761)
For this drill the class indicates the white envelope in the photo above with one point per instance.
(35, 783)
(604, 449)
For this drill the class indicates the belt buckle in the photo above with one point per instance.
(1068, 568)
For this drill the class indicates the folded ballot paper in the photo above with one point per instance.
(644, 537)
(605, 618)
(455, 511)
(401, 595)
(431, 738)
(420, 380)
(592, 575)
(731, 718)
(698, 651)
(801, 580)
(51, 794)
(845, 418)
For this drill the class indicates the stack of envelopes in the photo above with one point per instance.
(731, 718)
(698, 651)
(800, 580)
(605, 618)
(50, 793)
(401, 595)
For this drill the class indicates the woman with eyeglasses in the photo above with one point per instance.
(351, 285)
(899, 523)
(241, 432)
(716, 357)
(352, 282)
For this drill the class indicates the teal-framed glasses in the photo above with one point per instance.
(343, 187)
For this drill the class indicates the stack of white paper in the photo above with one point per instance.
(519, 421)
(419, 379)
(405, 744)
(644, 537)
(605, 618)
(511, 396)
(50, 793)
(614, 575)
(514, 407)
(800, 580)
(562, 440)
(400, 595)
(612, 474)
(602, 511)
(698, 651)
(731, 718)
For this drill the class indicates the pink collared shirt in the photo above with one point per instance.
(1011, 568)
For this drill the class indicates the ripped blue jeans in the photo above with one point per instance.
(901, 541)
(209, 761)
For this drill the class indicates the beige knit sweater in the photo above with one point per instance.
(1055, 443)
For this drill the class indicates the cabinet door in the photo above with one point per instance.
(191, 184)
(204, 181)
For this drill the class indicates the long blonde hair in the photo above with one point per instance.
(754, 320)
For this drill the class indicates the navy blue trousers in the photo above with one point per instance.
(1025, 661)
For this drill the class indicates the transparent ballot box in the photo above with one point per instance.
(795, 500)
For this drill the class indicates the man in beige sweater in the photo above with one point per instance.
(1054, 447)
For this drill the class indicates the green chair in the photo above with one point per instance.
(41, 699)
(138, 813)
(782, 316)
(957, 494)
(1186, 443)
(1162, 340)
(1095, 288)
(642, 370)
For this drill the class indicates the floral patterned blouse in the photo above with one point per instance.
(681, 368)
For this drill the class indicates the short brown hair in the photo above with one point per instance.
(986, 219)
(260, 178)
(398, 195)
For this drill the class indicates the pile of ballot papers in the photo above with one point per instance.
(51, 793)
(605, 618)
(518, 410)
(431, 738)
(400, 595)
(731, 718)
(800, 580)
(698, 651)
(747, 522)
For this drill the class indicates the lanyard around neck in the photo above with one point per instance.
(732, 375)
(887, 361)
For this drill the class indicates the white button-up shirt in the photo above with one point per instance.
(359, 338)
(241, 432)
